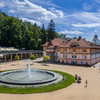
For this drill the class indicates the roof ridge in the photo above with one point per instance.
(58, 40)
(86, 42)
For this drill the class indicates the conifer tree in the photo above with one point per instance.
(51, 30)
(44, 37)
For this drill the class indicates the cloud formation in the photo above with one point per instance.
(71, 32)
(11, 11)
(86, 25)
(1, 4)
(34, 10)
(59, 13)
(32, 21)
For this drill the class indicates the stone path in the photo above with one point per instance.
(75, 91)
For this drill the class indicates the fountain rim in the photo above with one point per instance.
(28, 83)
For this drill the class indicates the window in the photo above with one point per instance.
(47, 53)
(56, 54)
(71, 62)
(73, 50)
(62, 61)
(86, 63)
(66, 61)
(85, 57)
(64, 55)
(75, 62)
(51, 49)
(74, 56)
(64, 49)
(84, 50)
(81, 62)
(51, 54)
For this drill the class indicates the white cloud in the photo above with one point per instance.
(1, 4)
(32, 21)
(59, 13)
(86, 25)
(71, 32)
(11, 11)
(95, 31)
(36, 11)
(86, 6)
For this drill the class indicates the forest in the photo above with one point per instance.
(16, 33)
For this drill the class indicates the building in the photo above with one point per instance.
(74, 51)
(8, 53)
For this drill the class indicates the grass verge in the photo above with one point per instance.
(69, 80)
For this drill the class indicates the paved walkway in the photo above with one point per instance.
(75, 91)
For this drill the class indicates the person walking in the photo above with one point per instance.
(86, 83)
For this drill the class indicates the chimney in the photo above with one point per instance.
(79, 38)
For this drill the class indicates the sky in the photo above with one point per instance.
(71, 17)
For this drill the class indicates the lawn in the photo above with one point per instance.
(68, 81)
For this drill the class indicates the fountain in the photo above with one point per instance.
(28, 67)
(29, 77)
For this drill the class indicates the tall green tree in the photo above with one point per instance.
(95, 39)
(51, 30)
(35, 33)
(44, 36)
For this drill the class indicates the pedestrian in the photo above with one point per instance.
(75, 76)
(86, 83)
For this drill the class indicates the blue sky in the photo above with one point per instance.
(71, 17)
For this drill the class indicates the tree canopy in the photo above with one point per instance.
(16, 58)
(32, 57)
(16, 33)
(46, 58)
(96, 40)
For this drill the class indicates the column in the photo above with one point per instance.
(39, 54)
(4, 58)
(11, 57)
(21, 55)
(25, 55)
(36, 54)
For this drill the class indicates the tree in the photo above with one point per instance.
(95, 39)
(16, 58)
(63, 36)
(51, 30)
(46, 58)
(74, 37)
(32, 57)
(44, 37)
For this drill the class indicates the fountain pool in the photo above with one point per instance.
(29, 77)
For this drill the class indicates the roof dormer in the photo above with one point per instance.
(75, 44)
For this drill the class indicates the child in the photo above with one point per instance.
(86, 83)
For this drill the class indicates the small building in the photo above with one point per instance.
(8, 53)
(74, 51)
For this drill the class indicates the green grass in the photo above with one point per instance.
(69, 80)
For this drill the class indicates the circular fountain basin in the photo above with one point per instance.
(21, 77)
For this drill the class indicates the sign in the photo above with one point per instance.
(1, 55)
(23, 48)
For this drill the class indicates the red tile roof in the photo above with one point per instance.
(66, 43)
